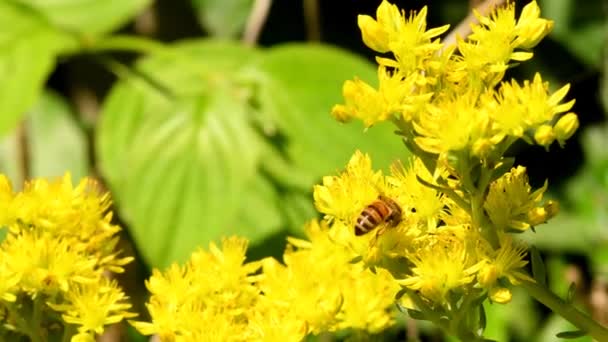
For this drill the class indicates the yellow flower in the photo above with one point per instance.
(407, 38)
(273, 323)
(510, 204)
(522, 108)
(343, 197)
(530, 28)
(47, 265)
(452, 124)
(208, 298)
(506, 262)
(422, 206)
(368, 300)
(93, 306)
(442, 263)
(394, 96)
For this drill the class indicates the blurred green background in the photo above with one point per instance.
(207, 118)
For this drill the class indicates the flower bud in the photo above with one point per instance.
(542, 214)
(565, 127)
(530, 28)
(500, 295)
(544, 135)
(340, 113)
(373, 34)
(482, 148)
(487, 276)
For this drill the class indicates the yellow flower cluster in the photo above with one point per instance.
(59, 241)
(450, 99)
(459, 198)
(436, 248)
(217, 296)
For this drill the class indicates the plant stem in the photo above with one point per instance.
(567, 311)
(34, 325)
(123, 42)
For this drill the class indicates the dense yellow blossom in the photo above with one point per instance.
(217, 284)
(216, 296)
(92, 306)
(453, 98)
(59, 244)
(512, 205)
(442, 263)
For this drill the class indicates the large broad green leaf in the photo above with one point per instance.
(222, 18)
(28, 49)
(303, 84)
(55, 143)
(222, 144)
(183, 163)
(87, 16)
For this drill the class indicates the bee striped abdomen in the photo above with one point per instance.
(379, 211)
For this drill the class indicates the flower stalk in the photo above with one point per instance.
(566, 310)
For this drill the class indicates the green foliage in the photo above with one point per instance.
(579, 26)
(87, 17)
(222, 18)
(56, 141)
(198, 157)
(28, 49)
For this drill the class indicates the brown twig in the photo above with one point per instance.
(464, 28)
(256, 21)
(312, 19)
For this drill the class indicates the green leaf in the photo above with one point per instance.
(56, 142)
(183, 165)
(570, 294)
(538, 267)
(303, 83)
(579, 27)
(555, 325)
(91, 17)
(222, 18)
(571, 334)
(28, 49)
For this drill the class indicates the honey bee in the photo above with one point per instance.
(382, 210)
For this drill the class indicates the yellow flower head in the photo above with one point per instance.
(217, 284)
(523, 109)
(443, 262)
(407, 38)
(274, 323)
(60, 242)
(454, 123)
(507, 261)
(512, 206)
(343, 197)
(93, 306)
(531, 28)
(46, 265)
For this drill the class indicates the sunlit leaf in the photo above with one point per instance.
(305, 83)
(183, 164)
(56, 142)
(28, 49)
(222, 18)
(87, 16)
